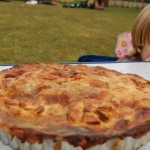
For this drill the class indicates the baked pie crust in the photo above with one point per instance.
(73, 107)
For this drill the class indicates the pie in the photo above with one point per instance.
(73, 107)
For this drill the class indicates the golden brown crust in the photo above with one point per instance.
(80, 104)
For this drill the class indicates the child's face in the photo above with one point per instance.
(145, 54)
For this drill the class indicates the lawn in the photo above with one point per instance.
(45, 33)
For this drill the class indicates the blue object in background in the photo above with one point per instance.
(96, 58)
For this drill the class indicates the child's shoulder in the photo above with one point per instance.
(127, 58)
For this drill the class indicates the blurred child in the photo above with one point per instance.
(140, 37)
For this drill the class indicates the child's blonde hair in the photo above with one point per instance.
(141, 29)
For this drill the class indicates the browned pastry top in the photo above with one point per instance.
(76, 103)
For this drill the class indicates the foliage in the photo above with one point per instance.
(44, 33)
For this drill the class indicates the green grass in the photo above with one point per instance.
(45, 33)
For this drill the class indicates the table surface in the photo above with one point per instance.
(140, 68)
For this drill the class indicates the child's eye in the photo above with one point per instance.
(139, 47)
